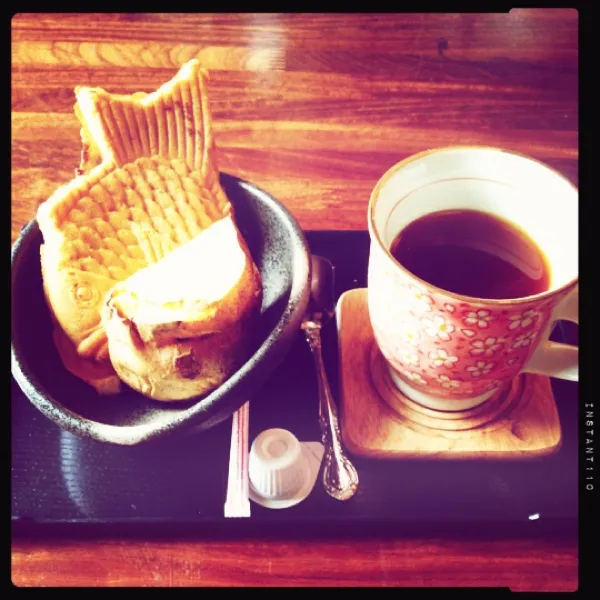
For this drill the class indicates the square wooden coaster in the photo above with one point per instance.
(377, 421)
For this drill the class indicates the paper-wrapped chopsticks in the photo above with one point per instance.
(237, 503)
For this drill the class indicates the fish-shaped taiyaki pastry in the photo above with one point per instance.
(155, 189)
(177, 328)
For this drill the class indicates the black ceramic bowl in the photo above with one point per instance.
(281, 253)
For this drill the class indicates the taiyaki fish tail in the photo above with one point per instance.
(173, 122)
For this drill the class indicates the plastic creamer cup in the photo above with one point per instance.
(279, 470)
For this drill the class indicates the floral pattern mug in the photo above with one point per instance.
(452, 352)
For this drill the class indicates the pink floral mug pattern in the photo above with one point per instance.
(448, 351)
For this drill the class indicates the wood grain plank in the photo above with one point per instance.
(296, 84)
(468, 34)
(521, 565)
(283, 99)
(102, 54)
(395, 63)
(308, 136)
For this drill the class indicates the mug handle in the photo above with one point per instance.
(553, 358)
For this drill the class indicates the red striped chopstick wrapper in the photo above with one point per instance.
(237, 503)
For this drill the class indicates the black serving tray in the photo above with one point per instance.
(65, 485)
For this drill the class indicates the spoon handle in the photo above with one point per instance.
(340, 478)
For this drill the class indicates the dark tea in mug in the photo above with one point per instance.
(472, 253)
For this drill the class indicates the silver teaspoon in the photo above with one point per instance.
(340, 478)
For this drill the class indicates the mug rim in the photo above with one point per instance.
(374, 234)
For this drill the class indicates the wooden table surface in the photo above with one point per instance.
(313, 108)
